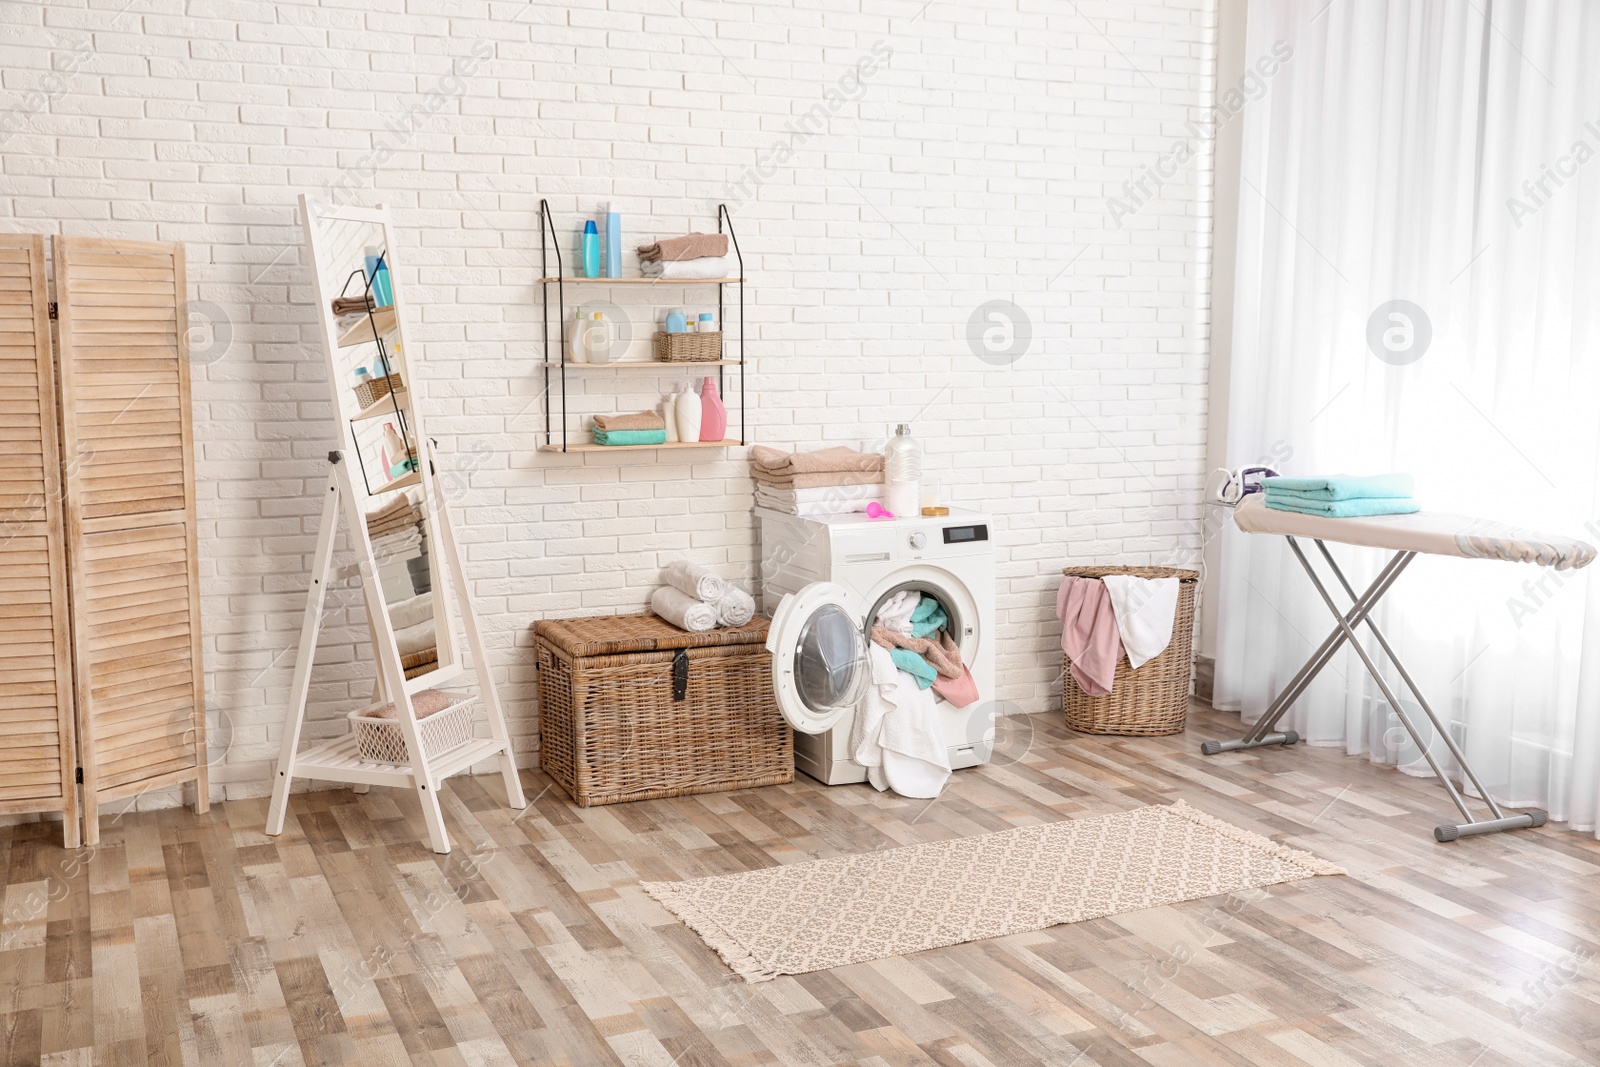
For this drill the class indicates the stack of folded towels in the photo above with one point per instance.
(1342, 496)
(697, 598)
(694, 255)
(396, 529)
(833, 481)
(640, 428)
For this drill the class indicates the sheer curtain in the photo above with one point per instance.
(1446, 154)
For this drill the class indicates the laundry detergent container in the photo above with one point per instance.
(1150, 701)
(633, 708)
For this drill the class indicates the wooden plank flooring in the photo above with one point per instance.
(187, 939)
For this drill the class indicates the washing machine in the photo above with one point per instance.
(823, 581)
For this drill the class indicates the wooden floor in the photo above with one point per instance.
(198, 940)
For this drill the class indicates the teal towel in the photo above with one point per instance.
(914, 665)
(926, 622)
(630, 437)
(1346, 509)
(1342, 487)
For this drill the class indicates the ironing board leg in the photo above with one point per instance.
(1262, 733)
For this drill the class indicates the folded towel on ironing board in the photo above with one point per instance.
(696, 580)
(689, 246)
(682, 610)
(1342, 486)
(715, 267)
(1346, 509)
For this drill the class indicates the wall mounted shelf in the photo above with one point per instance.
(559, 436)
(372, 326)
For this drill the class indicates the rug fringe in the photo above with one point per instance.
(737, 957)
(1314, 864)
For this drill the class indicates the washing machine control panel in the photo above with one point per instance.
(918, 539)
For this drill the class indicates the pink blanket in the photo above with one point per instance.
(1089, 633)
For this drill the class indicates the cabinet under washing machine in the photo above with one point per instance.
(824, 580)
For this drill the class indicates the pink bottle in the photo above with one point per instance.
(713, 415)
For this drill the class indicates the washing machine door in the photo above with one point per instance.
(819, 655)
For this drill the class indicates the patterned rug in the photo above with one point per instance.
(849, 909)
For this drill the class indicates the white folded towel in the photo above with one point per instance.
(708, 267)
(824, 494)
(696, 580)
(816, 509)
(735, 608)
(682, 610)
(1144, 610)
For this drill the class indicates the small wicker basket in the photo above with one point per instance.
(1149, 702)
(689, 347)
(380, 740)
(372, 390)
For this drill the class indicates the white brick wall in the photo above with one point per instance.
(974, 164)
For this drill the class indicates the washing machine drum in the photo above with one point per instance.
(819, 656)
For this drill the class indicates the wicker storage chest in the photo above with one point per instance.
(633, 708)
(1153, 700)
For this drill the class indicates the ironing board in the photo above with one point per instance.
(1407, 536)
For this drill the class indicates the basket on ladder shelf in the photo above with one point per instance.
(444, 722)
(1149, 702)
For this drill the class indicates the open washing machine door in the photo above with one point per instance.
(819, 655)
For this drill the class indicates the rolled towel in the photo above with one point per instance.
(639, 420)
(695, 580)
(715, 267)
(689, 246)
(735, 608)
(682, 610)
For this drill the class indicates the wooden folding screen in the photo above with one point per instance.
(38, 758)
(130, 518)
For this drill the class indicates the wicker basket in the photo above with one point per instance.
(1153, 700)
(372, 390)
(380, 740)
(633, 708)
(689, 347)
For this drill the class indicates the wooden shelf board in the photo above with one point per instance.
(636, 364)
(641, 281)
(337, 760)
(382, 406)
(401, 482)
(727, 443)
(361, 333)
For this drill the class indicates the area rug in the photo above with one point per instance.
(849, 909)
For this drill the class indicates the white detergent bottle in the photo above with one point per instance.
(670, 416)
(902, 469)
(598, 342)
(687, 411)
(577, 332)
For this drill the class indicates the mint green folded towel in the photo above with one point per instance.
(1346, 509)
(1341, 487)
(927, 617)
(630, 437)
(914, 665)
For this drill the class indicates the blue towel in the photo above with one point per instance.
(1341, 487)
(630, 437)
(927, 617)
(914, 665)
(1346, 509)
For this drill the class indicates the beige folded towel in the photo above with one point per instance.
(817, 480)
(350, 305)
(840, 458)
(689, 246)
(639, 420)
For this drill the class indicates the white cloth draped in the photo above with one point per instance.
(1402, 153)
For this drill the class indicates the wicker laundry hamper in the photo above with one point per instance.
(633, 708)
(1153, 700)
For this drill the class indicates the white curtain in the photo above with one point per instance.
(1446, 154)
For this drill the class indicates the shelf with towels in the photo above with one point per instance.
(558, 422)
(369, 329)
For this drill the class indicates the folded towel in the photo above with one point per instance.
(715, 267)
(693, 579)
(350, 305)
(630, 437)
(928, 617)
(816, 479)
(777, 463)
(735, 607)
(423, 704)
(1145, 609)
(1342, 486)
(682, 610)
(1347, 509)
(639, 420)
(914, 665)
(835, 503)
(823, 494)
(689, 246)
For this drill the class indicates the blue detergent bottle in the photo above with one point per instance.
(591, 250)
